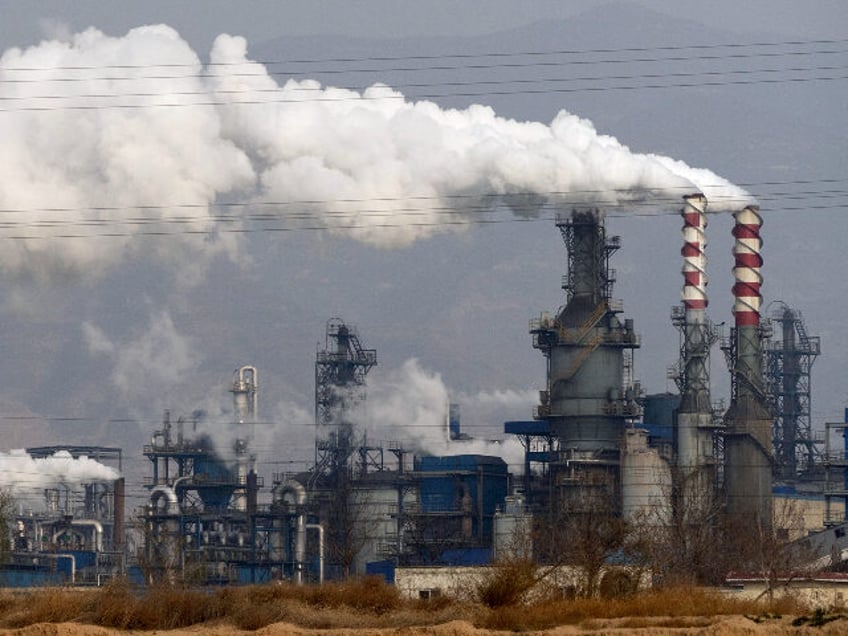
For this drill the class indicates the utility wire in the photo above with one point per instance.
(428, 211)
(628, 51)
(501, 82)
(591, 194)
(324, 227)
(391, 96)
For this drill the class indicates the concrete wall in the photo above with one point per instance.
(462, 583)
(829, 591)
(801, 514)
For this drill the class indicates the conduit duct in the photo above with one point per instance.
(297, 492)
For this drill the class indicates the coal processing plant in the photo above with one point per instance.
(595, 442)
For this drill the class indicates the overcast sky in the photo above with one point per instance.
(107, 322)
(199, 22)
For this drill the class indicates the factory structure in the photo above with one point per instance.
(595, 441)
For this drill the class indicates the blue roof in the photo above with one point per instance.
(527, 427)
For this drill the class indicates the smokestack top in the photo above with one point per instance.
(694, 258)
(746, 270)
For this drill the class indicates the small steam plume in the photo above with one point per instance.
(27, 477)
(409, 405)
(151, 366)
(95, 128)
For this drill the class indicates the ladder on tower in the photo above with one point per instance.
(585, 351)
(363, 356)
(588, 324)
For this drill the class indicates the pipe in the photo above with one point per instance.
(73, 560)
(320, 529)
(118, 512)
(98, 531)
(296, 489)
(169, 493)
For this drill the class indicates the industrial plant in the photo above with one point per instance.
(594, 442)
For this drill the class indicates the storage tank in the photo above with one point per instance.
(645, 481)
(513, 530)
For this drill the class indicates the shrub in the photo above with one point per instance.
(507, 583)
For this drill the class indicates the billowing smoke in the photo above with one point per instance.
(409, 405)
(128, 136)
(151, 366)
(79, 167)
(27, 477)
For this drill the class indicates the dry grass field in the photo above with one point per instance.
(368, 606)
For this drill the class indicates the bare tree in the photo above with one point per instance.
(683, 540)
(7, 518)
(769, 550)
(584, 534)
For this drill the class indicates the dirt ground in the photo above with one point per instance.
(656, 626)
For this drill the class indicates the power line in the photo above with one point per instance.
(390, 95)
(323, 227)
(732, 46)
(501, 82)
(495, 197)
(382, 212)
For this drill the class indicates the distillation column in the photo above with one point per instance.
(586, 401)
(748, 445)
(695, 429)
(244, 413)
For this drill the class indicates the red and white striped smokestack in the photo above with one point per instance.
(746, 271)
(694, 257)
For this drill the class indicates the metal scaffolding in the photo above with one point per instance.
(789, 360)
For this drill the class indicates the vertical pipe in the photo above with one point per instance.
(320, 529)
(118, 513)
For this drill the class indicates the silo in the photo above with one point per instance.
(645, 482)
(513, 530)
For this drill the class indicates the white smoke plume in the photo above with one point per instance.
(75, 166)
(409, 405)
(131, 135)
(152, 365)
(27, 477)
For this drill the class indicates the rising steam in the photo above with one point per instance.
(409, 405)
(132, 135)
(26, 476)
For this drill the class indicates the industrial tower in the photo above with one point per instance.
(695, 432)
(244, 415)
(789, 359)
(340, 370)
(588, 352)
(747, 439)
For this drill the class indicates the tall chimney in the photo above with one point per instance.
(695, 429)
(118, 513)
(748, 444)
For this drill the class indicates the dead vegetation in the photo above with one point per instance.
(368, 603)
